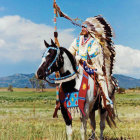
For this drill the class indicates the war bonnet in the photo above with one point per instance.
(98, 26)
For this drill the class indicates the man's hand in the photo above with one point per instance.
(88, 69)
(78, 59)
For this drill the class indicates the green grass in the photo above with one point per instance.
(26, 96)
(130, 99)
(28, 116)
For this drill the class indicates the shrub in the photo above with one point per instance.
(10, 88)
(121, 90)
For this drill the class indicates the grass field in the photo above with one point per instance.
(27, 115)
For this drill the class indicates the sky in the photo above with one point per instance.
(24, 25)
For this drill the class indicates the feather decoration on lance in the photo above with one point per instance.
(61, 14)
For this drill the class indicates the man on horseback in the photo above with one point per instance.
(88, 48)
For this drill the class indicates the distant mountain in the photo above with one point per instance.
(22, 80)
(16, 80)
(127, 82)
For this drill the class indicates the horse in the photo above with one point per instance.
(60, 59)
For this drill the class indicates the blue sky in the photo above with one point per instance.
(25, 24)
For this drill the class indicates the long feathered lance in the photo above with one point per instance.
(74, 22)
(56, 73)
(61, 14)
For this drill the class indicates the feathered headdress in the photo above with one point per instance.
(101, 29)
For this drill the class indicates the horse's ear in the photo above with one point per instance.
(46, 44)
(53, 44)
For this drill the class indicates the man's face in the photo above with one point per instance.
(84, 31)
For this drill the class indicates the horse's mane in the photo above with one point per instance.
(71, 57)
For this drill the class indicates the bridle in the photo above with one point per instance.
(56, 65)
(55, 59)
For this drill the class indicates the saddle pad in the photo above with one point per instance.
(72, 99)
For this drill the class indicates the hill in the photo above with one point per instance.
(16, 80)
(22, 81)
(127, 82)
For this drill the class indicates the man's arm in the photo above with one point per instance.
(73, 48)
(97, 58)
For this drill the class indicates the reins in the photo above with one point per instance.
(62, 79)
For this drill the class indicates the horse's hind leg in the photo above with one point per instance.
(103, 115)
(83, 128)
(93, 124)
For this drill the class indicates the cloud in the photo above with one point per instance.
(22, 39)
(127, 61)
(2, 43)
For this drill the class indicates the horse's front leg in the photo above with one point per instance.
(69, 131)
(103, 115)
(68, 122)
(84, 122)
(66, 115)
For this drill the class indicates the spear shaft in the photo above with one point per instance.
(56, 73)
(55, 25)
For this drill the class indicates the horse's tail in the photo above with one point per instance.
(111, 111)
(111, 119)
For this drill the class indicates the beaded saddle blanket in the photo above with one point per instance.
(75, 101)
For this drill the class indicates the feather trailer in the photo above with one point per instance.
(102, 30)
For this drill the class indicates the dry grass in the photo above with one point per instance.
(27, 90)
(32, 120)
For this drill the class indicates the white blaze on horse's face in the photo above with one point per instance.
(43, 61)
(47, 54)
(44, 58)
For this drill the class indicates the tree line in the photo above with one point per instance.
(37, 84)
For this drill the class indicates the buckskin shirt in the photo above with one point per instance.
(82, 48)
(91, 47)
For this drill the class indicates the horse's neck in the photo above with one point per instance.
(67, 67)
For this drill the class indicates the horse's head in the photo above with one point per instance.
(49, 62)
